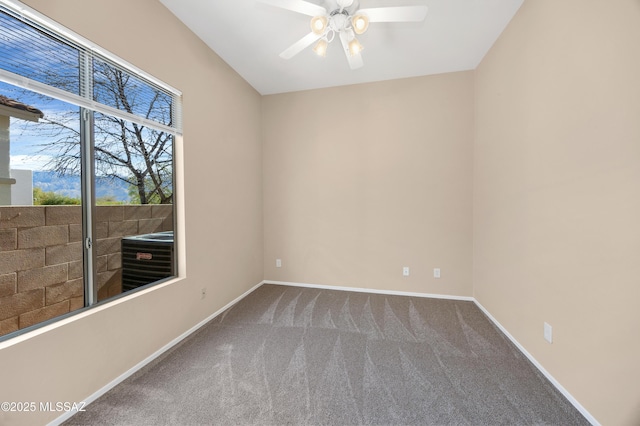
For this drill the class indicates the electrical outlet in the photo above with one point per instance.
(203, 293)
(436, 272)
(548, 333)
(278, 263)
(405, 271)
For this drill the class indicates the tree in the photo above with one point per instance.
(134, 193)
(145, 153)
(48, 198)
(138, 155)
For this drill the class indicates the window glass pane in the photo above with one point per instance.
(42, 200)
(134, 198)
(41, 267)
(35, 54)
(117, 88)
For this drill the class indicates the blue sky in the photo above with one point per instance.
(27, 51)
(26, 139)
(45, 58)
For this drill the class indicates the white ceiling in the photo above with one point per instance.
(249, 36)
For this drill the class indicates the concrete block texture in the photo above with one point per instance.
(120, 229)
(8, 239)
(43, 314)
(148, 226)
(19, 303)
(64, 291)
(114, 261)
(110, 213)
(101, 263)
(9, 325)
(43, 236)
(42, 277)
(102, 230)
(107, 278)
(137, 212)
(63, 215)
(8, 284)
(75, 232)
(109, 284)
(161, 211)
(21, 260)
(21, 217)
(108, 246)
(75, 269)
(41, 257)
(64, 253)
(76, 303)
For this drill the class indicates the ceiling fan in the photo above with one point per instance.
(345, 19)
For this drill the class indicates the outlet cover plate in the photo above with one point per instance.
(548, 333)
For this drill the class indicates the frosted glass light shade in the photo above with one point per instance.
(360, 24)
(355, 47)
(319, 24)
(321, 48)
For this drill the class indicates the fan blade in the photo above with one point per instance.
(355, 61)
(300, 45)
(331, 4)
(395, 14)
(299, 6)
(344, 4)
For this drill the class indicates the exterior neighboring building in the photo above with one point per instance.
(18, 181)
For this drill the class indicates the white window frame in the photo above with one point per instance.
(88, 105)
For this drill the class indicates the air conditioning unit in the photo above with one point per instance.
(146, 258)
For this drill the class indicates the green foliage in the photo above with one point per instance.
(48, 198)
(109, 200)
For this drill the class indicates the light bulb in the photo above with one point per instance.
(355, 47)
(360, 24)
(318, 24)
(321, 48)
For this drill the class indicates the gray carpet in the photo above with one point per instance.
(288, 355)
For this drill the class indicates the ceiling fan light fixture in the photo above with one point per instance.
(355, 47)
(321, 48)
(360, 23)
(319, 24)
(344, 19)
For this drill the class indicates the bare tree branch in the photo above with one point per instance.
(123, 150)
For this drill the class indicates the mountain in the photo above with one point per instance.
(70, 186)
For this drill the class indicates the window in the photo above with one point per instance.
(87, 173)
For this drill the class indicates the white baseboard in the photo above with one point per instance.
(539, 366)
(66, 416)
(371, 290)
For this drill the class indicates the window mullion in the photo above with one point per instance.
(88, 182)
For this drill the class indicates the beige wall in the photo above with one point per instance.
(222, 167)
(362, 180)
(547, 198)
(557, 195)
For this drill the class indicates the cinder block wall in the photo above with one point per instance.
(41, 273)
